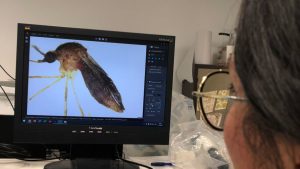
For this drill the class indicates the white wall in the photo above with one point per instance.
(182, 18)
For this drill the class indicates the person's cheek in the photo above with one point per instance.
(230, 130)
(234, 138)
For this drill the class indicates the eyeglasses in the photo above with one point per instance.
(214, 98)
(209, 95)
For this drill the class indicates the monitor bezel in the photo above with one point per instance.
(58, 134)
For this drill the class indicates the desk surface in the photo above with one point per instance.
(17, 164)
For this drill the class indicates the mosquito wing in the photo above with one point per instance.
(100, 84)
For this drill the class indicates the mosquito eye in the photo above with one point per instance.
(50, 57)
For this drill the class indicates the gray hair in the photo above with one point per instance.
(267, 59)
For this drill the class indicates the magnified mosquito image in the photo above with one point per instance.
(73, 57)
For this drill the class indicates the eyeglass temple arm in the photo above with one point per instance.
(203, 94)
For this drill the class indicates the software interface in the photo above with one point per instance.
(90, 79)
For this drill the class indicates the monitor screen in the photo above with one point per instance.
(82, 86)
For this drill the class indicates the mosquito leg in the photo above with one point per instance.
(38, 49)
(77, 100)
(36, 61)
(66, 97)
(60, 76)
(43, 89)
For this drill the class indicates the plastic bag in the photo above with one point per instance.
(198, 147)
(182, 110)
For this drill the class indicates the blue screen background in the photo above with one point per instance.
(124, 64)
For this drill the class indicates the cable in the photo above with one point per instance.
(36, 159)
(7, 73)
(28, 158)
(12, 106)
(4, 90)
(19, 153)
(135, 163)
(10, 150)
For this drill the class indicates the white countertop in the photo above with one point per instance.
(18, 164)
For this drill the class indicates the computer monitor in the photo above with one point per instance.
(92, 87)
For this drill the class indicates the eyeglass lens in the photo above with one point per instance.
(215, 110)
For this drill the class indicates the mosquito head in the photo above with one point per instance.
(50, 57)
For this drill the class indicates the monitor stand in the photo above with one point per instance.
(92, 156)
(87, 163)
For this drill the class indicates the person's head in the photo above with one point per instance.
(264, 132)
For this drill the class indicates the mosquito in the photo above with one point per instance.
(73, 56)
